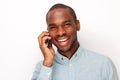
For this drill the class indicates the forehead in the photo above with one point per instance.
(59, 13)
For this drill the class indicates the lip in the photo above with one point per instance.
(63, 41)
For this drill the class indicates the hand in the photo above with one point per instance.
(48, 52)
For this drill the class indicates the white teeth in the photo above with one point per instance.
(62, 40)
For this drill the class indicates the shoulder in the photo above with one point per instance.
(95, 57)
(102, 63)
(98, 60)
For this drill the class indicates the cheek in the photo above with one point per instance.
(52, 34)
(71, 32)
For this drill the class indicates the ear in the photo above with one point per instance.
(78, 25)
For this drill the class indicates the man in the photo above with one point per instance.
(70, 62)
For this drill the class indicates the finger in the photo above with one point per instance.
(45, 38)
(44, 33)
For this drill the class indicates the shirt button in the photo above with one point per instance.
(62, 58)
(76, 55)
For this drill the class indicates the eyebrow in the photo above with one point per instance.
(67, 21)
(52, 24)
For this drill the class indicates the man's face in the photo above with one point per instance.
(62, 29)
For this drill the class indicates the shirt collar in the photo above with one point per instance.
(62, 59)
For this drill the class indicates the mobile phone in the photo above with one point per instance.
(48, 43)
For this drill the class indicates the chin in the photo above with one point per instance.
(64, 49)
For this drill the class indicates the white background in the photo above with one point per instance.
(21, 21)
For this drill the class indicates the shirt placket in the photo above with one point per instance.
(71, 71)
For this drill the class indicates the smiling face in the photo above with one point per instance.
(63, 30)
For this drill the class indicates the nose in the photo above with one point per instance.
(61, 31)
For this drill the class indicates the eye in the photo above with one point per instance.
(67, 24)
(52, 28)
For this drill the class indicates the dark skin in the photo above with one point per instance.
(62, 31)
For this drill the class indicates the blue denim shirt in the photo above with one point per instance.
(84, 65)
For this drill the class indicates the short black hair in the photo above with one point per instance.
(59, 5)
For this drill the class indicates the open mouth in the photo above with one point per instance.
(63, 40)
